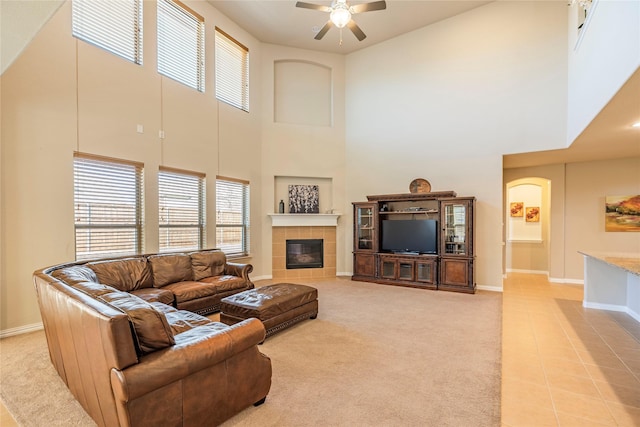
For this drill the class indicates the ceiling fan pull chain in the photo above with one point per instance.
(340, 36)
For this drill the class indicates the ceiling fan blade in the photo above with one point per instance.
(324, 30)
(356, 30)
(368, 7)
(313, 6)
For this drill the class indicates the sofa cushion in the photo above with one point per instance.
(163, 308)
(152, 331)
(75, 274)
(201, 332)
(123, 274)
(187, 291)
(181, 321)
(226, 283)
(207, 264)
(155, 295)
(94, 289)
(170, 269)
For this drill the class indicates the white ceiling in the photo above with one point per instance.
(281, 22)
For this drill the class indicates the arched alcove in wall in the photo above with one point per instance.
(527, 225)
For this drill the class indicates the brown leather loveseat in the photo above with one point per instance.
(125, 336)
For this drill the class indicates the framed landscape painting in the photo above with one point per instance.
(622, 213)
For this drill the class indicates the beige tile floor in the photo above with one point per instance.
(562, 365)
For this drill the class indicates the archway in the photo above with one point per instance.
(528, 225)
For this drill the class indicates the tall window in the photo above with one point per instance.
(112, 25)
(232, 216)
(181, 43)
(182, 210)
(232, 71)
(108, 207)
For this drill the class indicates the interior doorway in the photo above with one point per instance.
(527, 225)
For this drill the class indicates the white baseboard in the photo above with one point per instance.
(516, 270)
(490, 288)
(612, 307)
(263, 277)
(567, 281)
(21, 330)
(344, 273)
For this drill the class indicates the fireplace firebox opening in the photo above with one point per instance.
(305, 253)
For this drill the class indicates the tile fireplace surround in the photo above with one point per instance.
(279, 236)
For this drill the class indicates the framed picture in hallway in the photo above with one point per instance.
(532, 214)
(516, 209)
(622, 213)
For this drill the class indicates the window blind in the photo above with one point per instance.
(112, 25)
(108, 207)
(181, 44)
(232, 216)
(232, 71)
(182, 210)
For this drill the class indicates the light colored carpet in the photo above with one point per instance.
(375, 356)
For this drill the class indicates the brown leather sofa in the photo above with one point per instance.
(125, 337)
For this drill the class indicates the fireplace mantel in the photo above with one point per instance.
(304, 220)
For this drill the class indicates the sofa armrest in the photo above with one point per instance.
(205, 346)
(240, 270)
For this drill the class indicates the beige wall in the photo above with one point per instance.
(577, 210)
(587, 185)
(304, 153)
(63, 95)
(446, 101)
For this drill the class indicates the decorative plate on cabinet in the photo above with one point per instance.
(420, 185)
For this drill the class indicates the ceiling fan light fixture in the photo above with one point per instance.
(340, 15)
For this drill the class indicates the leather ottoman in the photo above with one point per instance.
(278, 306)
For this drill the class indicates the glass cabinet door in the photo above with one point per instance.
(365, 227)
(425, 271)
(455, 228)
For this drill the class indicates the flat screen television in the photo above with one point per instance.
(410, 235)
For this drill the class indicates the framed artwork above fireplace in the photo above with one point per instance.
(304, 199)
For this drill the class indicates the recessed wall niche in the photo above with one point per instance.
(524, 196)
(325, 189)
(302, 93)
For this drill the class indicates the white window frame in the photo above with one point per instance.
(108, 207)
(181, 44)
(181, 209)
(232, 215)
(115, 26)
(232, 71)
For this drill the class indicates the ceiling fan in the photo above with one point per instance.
(340, 15)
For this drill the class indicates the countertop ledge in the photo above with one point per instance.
(624, 260)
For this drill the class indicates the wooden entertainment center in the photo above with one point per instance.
(448, 265)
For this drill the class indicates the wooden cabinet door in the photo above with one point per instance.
(454, 272)
(364, 265)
